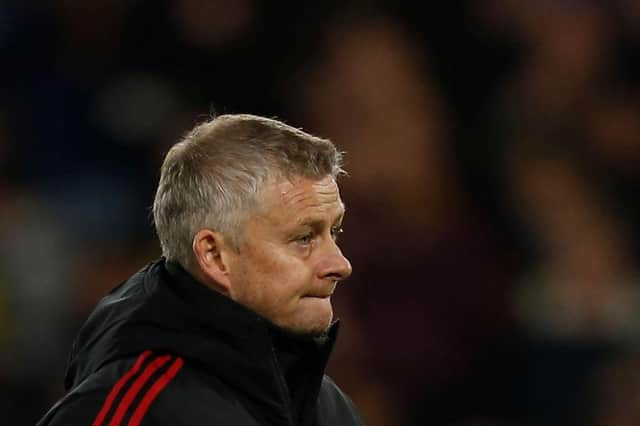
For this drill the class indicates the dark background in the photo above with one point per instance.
(493, 148)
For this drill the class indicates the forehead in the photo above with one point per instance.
(287, 199)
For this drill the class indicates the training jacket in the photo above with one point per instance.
(163, 349)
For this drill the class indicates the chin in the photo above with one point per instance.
(312, 331)
(312, 325)
(311, 316)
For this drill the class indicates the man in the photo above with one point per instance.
(233, 326)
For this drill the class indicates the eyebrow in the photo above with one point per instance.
(315, 222)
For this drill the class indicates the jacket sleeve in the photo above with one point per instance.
(92, 408)
(120, 393)
(74, 410)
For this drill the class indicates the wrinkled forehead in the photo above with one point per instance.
(288, 197)
(301, 191)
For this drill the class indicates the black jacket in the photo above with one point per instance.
(163, 349)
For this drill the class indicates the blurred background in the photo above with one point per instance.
(494, 156)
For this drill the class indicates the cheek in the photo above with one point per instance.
(290, 280)
(277, 276)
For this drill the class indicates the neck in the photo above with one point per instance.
(203, 278)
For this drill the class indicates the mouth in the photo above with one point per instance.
(319, 296)
(324, 293)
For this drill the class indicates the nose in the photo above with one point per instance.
(333, 264)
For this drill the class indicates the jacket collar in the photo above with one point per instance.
(273, 367)
(163, 308)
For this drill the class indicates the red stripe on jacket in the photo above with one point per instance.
(135, 388)
(153, 392)
(117, 387)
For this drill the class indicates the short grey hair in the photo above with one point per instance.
(212, 177)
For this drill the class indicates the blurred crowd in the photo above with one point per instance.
(493, 150)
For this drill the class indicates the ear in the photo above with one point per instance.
(210, 254)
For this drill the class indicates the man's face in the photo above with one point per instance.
(289, 263)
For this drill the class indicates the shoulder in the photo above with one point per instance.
(148, 390)
(120, 392)
(335, 407)
(74, 409)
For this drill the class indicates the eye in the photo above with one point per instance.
(336, 231)
(305, 239)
